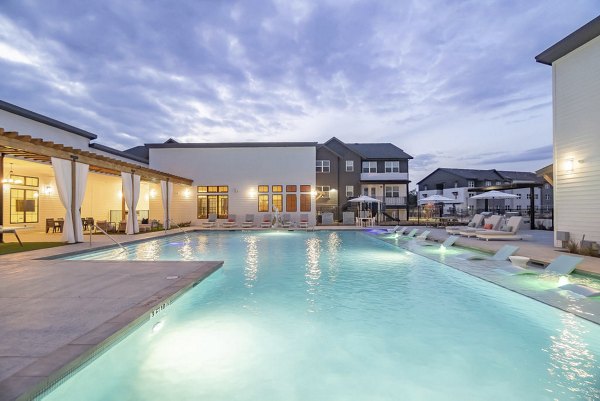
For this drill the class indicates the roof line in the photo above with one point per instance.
(321, 145)
(356, 152)
(14, 109)
(117, 152)
(573, 41)
(233, 145)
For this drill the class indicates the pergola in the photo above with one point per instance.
(505, 187)
(38, 150)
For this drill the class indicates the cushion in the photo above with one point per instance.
(488, 226)
(471, 224)
(508, 229)
(231, 220)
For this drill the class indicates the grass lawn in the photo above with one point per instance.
(13, 247)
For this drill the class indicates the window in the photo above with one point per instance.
(211, 201)
(349, 191)
(498, 183)
(455, 184)
(277, 188)
(349, 165)
(25, 181)
(488, 183)
(323, 191)
(392, 167)
(291, 203)
(291, 188)
(305, 202)
(277, 204)
(471, 184)
(323, 166)
(518, 196)
(263, 203)
(528, 196)
(518, 207)
(263, 189)
(506, 207)
(424, 187)
(24, 206)
(369, 167)
(546, 186)
(471, 195)
(392, 191)
(547, 196)
(305, 188)
(536, 196)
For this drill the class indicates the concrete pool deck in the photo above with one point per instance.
(54, 314)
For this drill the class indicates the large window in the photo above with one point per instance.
(277, 204)
(305, 188)
(25, 181)
(291, 188)
(392, 167)
(291, 203)
(305, 202)
(276, 188)
(263, 203)
(212, 199)
(323, 191)
(23, 206)
(392, 191)
(349, 191)
(263, 189)
(323, 166)
(488, 183)
(369, 167)
(471, 184)
(349, 166)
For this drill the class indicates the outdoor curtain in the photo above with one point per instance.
(63, 175)
(131, 192)
(166, 201)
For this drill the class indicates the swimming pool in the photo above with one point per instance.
(338, 316)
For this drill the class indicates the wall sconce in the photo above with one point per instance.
(48, 190)
(119, 194)
(252, 193)
(568, 165)
(313, 193)
(153, 193)
(186, 193)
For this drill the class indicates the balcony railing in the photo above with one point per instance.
(384, 176)
(390, 201)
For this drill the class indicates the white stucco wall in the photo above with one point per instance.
(25, 126)
(576, 93)
(243, 169)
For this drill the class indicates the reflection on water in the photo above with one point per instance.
(148, 250)
(186, 251)
(251, 266)
(202, 244)
(313, 270)
(334, 245)
(571, 363)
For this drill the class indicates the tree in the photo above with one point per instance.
(412, 198)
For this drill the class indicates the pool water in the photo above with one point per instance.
(338, 316)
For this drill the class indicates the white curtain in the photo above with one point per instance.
(131, 191)
(62, 174)
(166, 201)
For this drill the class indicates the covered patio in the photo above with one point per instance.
(52, 192)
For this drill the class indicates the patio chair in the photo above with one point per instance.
(412, 233)
(211, 222)
(59, 224)
(396, 230)
(501, 255)
(561, 265)
(491, 224)
(50, 225)
(267, 221)
(286, 222)
(248, 221)
(446, 244)
(122, 226)
(230, 223)
(103, 224)
(507, 234)
(303, 221)
(476, 222)
(423, 236)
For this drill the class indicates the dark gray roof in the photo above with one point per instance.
(487, 175)
(11, 108)
(232, 145)
(141, 151)
(321, 146)
(578, 38)
(378, 151)
(520, 176)
(117, 152)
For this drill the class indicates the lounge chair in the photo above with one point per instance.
(395, 230)
(267, 221)
(412, 233)
(476, 222)
(10, 230)
(562, 265)
(501, 255)
(423, 236)
(286, 221)
(303, 221)
(230, 223)
(581, 289)
(508, 233)
(211, 222)
(248, 221)
(446, 244)
(493, 223)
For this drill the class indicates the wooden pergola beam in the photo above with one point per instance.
(25, 144)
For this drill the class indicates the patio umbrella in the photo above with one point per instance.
(438, 199)
(363, 199)
(493, 195)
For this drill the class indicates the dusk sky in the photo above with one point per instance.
(453, 83)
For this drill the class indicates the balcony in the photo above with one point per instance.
(399, 201)
(384, 176)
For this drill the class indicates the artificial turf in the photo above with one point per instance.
(13, 247)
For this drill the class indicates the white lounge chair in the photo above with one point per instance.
(493, 222)
(423, 236)
(412, 233)
(286, 222)
(446, 244)
(267, 221)
(230, 223)
(501, 255)
(248, 221)
(508, 233)
(303, 221)
(561, 265)
(211, 222)
(476, 222)
(396, 230)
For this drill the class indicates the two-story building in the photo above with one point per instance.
(348, 170)
(460, 184)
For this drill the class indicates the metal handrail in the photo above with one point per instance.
(169, 222)
(94, 226)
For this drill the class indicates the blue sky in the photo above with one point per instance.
(454, 83)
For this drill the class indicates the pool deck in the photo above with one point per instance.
(55, 313)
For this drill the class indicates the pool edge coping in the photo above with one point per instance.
(27, 384)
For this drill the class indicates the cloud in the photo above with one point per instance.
(543, 153)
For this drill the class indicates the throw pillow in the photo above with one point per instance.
(488, 226)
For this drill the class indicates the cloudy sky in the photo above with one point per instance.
(454, 83)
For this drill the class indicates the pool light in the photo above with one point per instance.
(562, 280)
